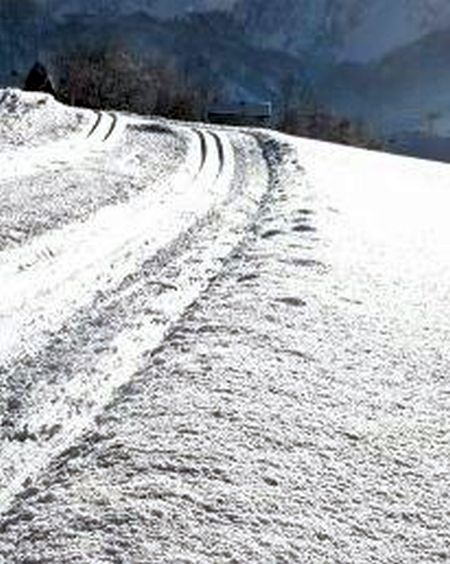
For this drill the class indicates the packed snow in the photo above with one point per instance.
(219, 345)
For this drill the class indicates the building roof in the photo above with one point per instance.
(244, 109)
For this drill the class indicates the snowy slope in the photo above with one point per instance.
(242, 359)
(221, 345)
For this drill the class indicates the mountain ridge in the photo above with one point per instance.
(380, 62)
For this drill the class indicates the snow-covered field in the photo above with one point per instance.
(218, 345)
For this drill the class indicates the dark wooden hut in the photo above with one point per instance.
(38, 80)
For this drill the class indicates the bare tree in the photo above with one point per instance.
(105, 78)
(113, 78)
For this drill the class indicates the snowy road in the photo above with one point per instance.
(218, 346)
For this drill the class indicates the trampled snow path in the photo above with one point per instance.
(45, 282)
(71, 191)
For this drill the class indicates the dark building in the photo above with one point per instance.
(38, 80)
(242, 113)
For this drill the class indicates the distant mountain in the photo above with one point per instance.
(172, 8)
(333, 30)
(387, 26)
(405, 91)
(345, 30)
(329, 30)
(298, 25)
(158, 8)
(382, 61)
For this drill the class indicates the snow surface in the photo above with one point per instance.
(27, 119)
(243, 361)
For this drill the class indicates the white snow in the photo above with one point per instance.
(246, 360)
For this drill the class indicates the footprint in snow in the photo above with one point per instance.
(271, 233)
(293, 302)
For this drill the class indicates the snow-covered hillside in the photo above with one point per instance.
(218, 345)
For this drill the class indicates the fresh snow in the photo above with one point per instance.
(241, 359)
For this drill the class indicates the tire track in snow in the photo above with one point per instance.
(96, 123)
(84, 395)
(220, 150)
(37, 294)
(112, 127)
(70, 410)
(34, 160)
(203, 148)
(45, 280)
(105, 125)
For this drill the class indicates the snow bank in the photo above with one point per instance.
(29, 118)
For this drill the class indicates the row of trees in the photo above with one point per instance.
(302, 115)
(115, 79)
(317, 123)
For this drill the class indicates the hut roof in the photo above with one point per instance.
(244, 109)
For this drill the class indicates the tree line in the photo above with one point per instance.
(113, 78)
(116, 80)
